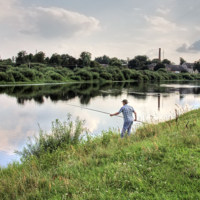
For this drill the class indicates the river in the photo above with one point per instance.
(24, 107)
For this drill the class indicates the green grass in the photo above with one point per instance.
(160, 161)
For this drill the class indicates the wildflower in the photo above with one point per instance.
(140, 165)
(136, 188)
(119, 189)
(120, 163)
(67, 193)
(165, 182)
(124, 163)
(106, 191)
(97, 189)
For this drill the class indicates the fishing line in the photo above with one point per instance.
(98, 111)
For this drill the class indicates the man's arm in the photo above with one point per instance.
(135, 115)
(117, 113)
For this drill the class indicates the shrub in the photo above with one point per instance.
(173, 76)
(85, 75)
(28, 73)
(76, 78)
(106, 76)
(162, 70)
(3, 76)
(95, 75)
(187, 76)
(17, 76)
(145, 77)
(126, 73)
(23, 66)
(64, 133)
(56, 76)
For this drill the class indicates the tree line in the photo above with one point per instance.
(60, 68)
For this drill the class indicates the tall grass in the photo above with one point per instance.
(63, 133)
(158, 161)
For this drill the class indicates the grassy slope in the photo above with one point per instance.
(158, 162)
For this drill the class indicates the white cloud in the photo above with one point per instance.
(46, 22)
(198, 28)
(137, 9)
(159, 23)
(163, 11)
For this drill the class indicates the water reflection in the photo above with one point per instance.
(23, 107)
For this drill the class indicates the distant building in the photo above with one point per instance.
(189, 67)
(175, 68)
(151, 66)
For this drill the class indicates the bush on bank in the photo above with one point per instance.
(158, 161)
(44, 73)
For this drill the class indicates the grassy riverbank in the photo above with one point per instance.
(157, 162)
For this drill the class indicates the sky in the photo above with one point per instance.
(117, 28)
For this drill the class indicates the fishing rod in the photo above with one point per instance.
(98, 111)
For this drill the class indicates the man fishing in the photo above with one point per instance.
(127, 112)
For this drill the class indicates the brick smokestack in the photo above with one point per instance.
(159, 56)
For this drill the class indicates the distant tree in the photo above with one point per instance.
(55, 59)
(142, 58)
(115, 62)
(39, 57)
(182, 61)
(134, 64)
(46, 60)
(31, 57)
(166, 61)
(86, 58)
(103, 60)
(86, 61)
(124, 62)
(94, 64)
(159, 66)
(21, 58)
(67, 60)
(155, 60)
(197, 66)
(85, 54)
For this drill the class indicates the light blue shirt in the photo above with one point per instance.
(127, 112)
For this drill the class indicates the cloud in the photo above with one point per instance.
(163, 10)
(198, 28)
(194, 48)
(159, 23)
(183, 48)
(46, 22)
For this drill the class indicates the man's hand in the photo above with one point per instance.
(135, 120)
(111, 115)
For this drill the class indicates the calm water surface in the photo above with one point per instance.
(24, 107)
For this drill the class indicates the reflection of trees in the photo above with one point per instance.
(86, 91)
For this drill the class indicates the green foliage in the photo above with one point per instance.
(17, 76)
(187, 76)
(85, 75)
(106, 76)
(63, 133)
(166, 61)
(159, 66)
(126, 73)
(95, 75)
(5, 78)
(76, 78)
(115, 62)
(56, 76)
(153, 163)
(197, 66)
(39, 57)
(182, 61)
(28, 73)
(24, 66)
(162, 70)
